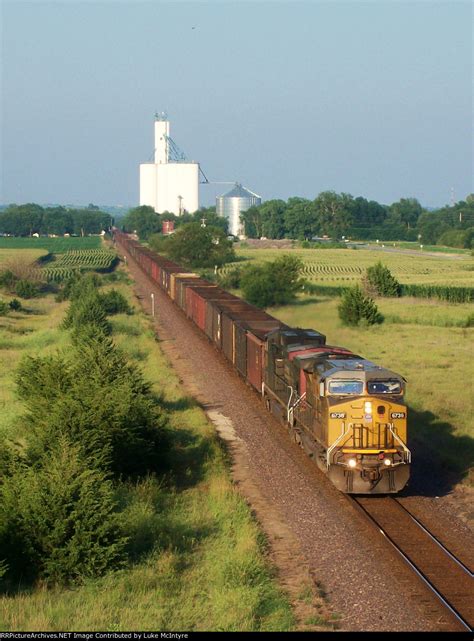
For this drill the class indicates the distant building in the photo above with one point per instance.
(169, 184)
(168, 227)
(232, 204)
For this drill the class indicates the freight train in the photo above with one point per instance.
(346, 412)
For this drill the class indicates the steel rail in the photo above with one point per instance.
(462, 565)
(355, 501)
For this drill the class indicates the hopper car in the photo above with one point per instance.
(346, 412)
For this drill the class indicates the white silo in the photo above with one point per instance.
(232, 204)
(169, 184)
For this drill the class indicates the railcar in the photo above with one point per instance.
(346, 412)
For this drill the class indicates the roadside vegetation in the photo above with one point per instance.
(164, 540)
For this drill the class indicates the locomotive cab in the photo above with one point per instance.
(363, 407)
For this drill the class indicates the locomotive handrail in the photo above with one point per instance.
(397, 438)
(291, 408)
(336, 442)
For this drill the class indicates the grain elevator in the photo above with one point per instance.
(170, 183)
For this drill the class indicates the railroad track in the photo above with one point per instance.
(442, 572)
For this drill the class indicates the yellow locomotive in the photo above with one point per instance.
(345, 411)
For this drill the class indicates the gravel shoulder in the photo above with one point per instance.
(309, 524)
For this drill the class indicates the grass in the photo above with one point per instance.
(345, 267)
(11, 254)
(52, 245)
(198, 558)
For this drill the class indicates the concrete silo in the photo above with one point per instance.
(232, 204)
(170, 183)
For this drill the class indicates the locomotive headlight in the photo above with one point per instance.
(387, 462)
(368, 407)
(352, 462)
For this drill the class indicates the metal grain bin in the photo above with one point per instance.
(233, 203)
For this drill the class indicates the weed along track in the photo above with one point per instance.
(438, 569)
(367, 585)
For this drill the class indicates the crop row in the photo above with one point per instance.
(72, 262)
(87, 258)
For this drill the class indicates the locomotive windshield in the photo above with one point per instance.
(384, 387)
(346, 387)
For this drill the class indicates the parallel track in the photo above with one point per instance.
(440, 570)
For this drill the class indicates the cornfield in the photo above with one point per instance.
(69, 263)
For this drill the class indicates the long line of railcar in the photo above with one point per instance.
(345, 411)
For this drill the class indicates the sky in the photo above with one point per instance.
(289, 98)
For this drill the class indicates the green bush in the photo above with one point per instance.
(469, 321)
(355, 308)
(26, 289)
(114, 302)
(231, 279)
(380, 281)
(15, 305)
(87, 311)
(98, 400)
(3, 308)
(7, 279)
(460, 238)
(274, 283)
(59, 520)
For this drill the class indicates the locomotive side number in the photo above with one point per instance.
(338, 415)
(397, 414)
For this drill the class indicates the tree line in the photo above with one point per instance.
(30, 218)
(336, 215)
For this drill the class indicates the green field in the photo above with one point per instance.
(27, 255)
(346, 266)
(52, 245)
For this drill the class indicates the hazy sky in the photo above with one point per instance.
(290, 98)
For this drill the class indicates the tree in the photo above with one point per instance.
(142, 220)
(355, 308)
(90, 221)
(273, 283)
(367, 212)
(212, 219)
(22, 220)
(405, 211)
(381, 281)
(198, 246)
(300, 219)
(58, 221)
(252, 222)
(273, 218)
(59, 519)
(333, 212)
